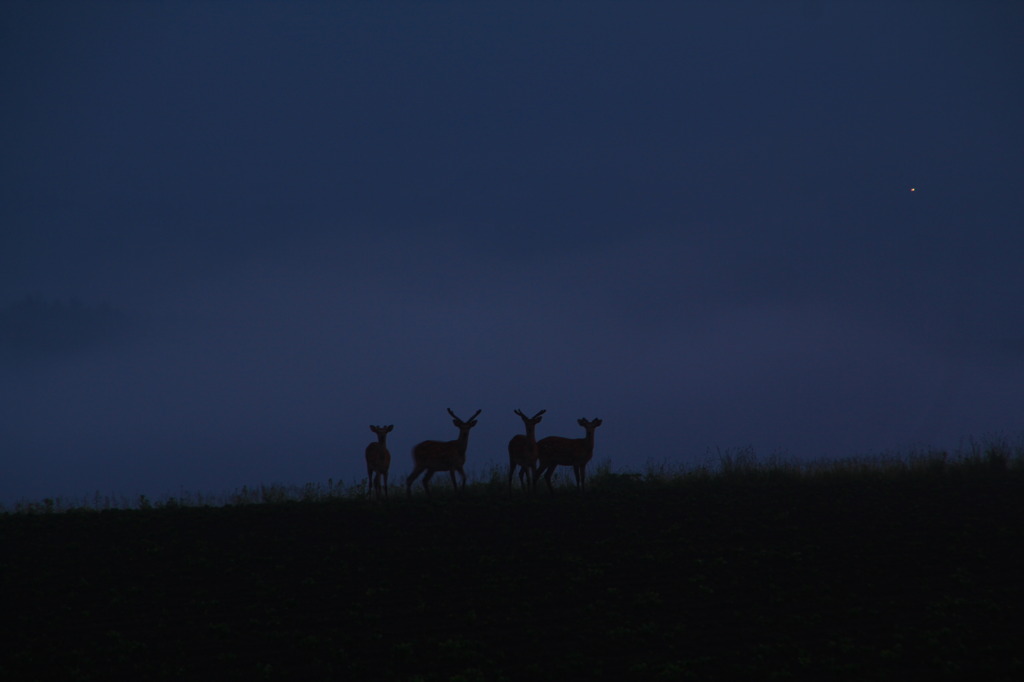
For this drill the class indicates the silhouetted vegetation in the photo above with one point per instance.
(872, 569)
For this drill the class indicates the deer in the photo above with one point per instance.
(575, 452)
(522, 452)
(378, 460)
(436, 455)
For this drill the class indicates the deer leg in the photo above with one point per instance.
(512, 470)
(385, 485)
(412, 478)
(426, 481)
(547, 477)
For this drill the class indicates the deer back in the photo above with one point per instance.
(520, 449)
(563, 451)
(438, 454)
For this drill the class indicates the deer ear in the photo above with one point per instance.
(390, 428)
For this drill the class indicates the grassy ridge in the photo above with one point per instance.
(874, 572)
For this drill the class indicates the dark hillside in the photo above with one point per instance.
(760, 576)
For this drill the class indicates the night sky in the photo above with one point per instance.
(235, 234)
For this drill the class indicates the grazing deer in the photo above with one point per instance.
(522, 452)
(378, 460)
(436, 455)
(575, 452)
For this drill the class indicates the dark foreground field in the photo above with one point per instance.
(760, 576)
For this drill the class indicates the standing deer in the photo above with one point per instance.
(522, 452)
(575, 452)
(436, 455)
(378, 460)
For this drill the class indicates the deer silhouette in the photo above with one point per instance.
(522, 452)
(575, 452)
(378, 460)
(436, 455)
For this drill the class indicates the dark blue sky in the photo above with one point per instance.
(236, 234)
